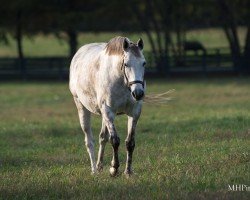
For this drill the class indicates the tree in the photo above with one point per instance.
(71, 17)
(232, 13)
(158, 19)
(15, 17)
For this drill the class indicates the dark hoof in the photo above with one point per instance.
(113, 171)
(128, 173)
(99, 168)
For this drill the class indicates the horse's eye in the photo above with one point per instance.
(144, 63)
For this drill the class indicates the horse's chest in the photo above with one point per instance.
(121, 103)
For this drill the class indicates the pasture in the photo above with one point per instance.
(192, 148)
(38, 44)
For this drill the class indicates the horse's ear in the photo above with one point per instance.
(140, 44)
(125, 44)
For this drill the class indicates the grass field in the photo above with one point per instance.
(38, 45)
(193, 148)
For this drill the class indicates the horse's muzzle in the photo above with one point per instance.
(138, 94)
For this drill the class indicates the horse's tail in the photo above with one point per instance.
(160, 98)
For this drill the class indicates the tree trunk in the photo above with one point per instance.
(230, 29)
(19, 37)
(145, 19)
(247, 42)
(142, 19)
(164, 10)
(234, 48)
(151, 16)
(72, 42)
(247, 51)
(166, 56)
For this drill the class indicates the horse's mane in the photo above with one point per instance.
(115, 47)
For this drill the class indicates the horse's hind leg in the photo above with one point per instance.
(103, 138)
(84, 117)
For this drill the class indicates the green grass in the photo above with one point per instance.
(48, 45)
(192, 148)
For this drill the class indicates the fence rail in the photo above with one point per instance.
(47, 67)
(58, 67)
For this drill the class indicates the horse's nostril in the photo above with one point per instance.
(138, 94)
(141, 93)
(133, 94)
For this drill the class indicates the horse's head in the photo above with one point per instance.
(134, 67)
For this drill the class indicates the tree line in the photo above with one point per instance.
(156, 18)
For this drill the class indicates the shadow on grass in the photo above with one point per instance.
(120, 188)
(42, 161)
(215, 129)
(64, 145)
(147, 186)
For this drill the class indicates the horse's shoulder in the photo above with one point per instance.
(88, 52)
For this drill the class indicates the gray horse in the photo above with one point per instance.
(108, 79)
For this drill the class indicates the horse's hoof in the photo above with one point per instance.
(99, 168)
(93, 173)
(113, 171)
(93, 170)
(128, 173)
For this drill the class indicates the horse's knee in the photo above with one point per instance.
(130, 145)
(115, 141)
(89, 144)
(86, 129)
(103, 138)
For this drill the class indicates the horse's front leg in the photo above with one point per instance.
(109, 116)
(130, 140)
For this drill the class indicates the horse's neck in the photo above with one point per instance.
(114, 67)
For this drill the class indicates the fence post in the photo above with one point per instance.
(22, 67)
(204, 63)
(167, 65)
(218, 57)
(60, 69)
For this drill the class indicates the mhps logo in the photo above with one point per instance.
(240, 187)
